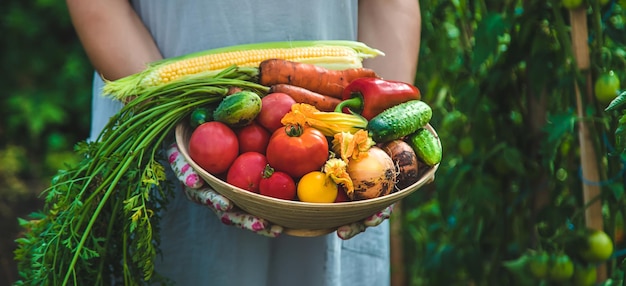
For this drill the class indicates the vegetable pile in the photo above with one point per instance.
(318, 154)
(278, 127)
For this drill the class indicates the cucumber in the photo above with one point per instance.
(426, 146)
(238, 109)
(399, 121)
(201, 115)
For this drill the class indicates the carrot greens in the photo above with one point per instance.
(99, 223)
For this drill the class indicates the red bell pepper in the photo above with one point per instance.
(370, 96)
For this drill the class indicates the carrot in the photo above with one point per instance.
(314, 78)
(303, 95)
(234, 89)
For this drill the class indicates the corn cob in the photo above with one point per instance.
(329, 54)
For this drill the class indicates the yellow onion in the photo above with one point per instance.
(372, 176)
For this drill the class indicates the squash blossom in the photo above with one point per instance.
(329, 123)
(348, 146)
(337, 170)
(352, 146)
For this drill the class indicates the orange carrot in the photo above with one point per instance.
(314, 78)
(303, 95)
(234, 89)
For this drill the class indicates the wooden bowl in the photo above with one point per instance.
(299, 218)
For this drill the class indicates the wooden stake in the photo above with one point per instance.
(588, 157)
(398, 271)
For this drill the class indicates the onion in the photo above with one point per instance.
(405, 160)
(372, 176)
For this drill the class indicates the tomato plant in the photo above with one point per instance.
(317, 187)
(253, 138)
(277, 184)
(214, 146)
(297, 150)
(246, 171)
(273, 107)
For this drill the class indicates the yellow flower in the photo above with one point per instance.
(329, 123)
(337, 170)
(352, 146)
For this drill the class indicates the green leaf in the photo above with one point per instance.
(617, 102)
(560, 124)
(614, 29)
(620, 139)
(492, 26)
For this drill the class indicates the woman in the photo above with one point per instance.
(121, 37)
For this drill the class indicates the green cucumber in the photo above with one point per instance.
(399, 121)
(238, 109)
(426, 146)
(201, 115)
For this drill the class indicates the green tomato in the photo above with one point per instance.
(607, 87)
(571, 4)
(599, 247)
(466, 146)
(584, 275)
(454, 122)
(561, 269)
(539, 264)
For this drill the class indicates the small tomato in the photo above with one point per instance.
(571, 4)
(455, 121)
(341, 195)
(273, 107)
(253, 138)
(214, 146)
(606, 87)
(297, 150)
(538, 264)
(599, 247)
(277, 184)
(561, 268)
(584, 275)
(246, 171)
(466, 146)
(317, 187)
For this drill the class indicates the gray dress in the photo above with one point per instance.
(197, 248)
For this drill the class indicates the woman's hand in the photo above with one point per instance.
(198, 191)
(351, 230)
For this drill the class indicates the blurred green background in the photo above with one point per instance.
(45, 106)
(500, 77)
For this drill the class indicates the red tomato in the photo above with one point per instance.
(341, 195)
(273, 107)
(214, 146)
(253, 138)
(277, 184)
(247, 170)
(297, 150)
